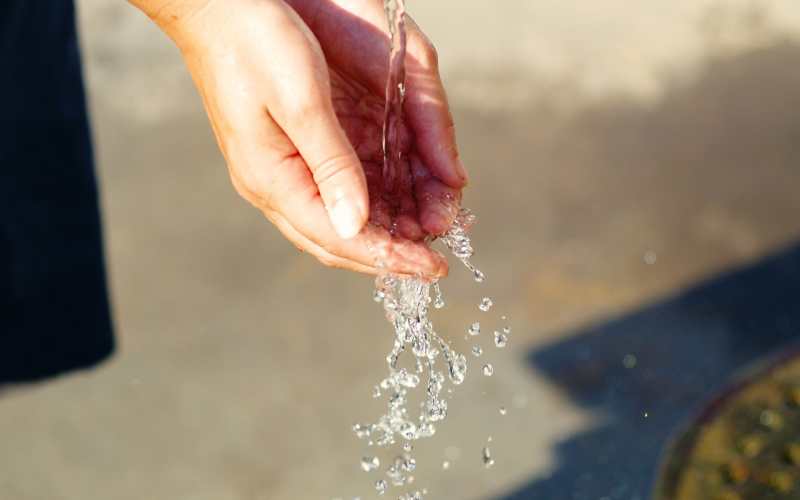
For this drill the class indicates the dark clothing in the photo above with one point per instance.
(54, 313)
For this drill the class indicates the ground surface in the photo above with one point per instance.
(595, 132)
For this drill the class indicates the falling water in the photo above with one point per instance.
(395, 91)
(406, 302)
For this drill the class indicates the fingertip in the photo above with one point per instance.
(461, 172)
(347, 217)
(409, 228)
(435, 218)
(444, 265)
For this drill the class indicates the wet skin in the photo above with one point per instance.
(294, 92)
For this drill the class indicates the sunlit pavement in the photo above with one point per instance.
(635, 169)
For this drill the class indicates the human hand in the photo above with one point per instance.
(295, 98)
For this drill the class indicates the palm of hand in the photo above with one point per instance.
(424, 204)
(357, 54)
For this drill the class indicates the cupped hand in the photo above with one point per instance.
(294, 92)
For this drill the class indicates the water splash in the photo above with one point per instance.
(458, 242)
(406, 302)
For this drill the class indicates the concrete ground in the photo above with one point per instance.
(635, 170)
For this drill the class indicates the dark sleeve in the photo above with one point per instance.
(54, 312)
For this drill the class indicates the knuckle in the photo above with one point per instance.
(305, 108)
(329, 168)
(253, 189)
(303, 102)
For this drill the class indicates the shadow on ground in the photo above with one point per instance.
(684, 348)
(644, 372)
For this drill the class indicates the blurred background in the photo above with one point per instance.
(635, 170)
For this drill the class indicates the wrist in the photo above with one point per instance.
(194, 24)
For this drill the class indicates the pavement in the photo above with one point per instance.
(635, 169)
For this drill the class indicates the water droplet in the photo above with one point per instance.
(362, 431)
(488, 461)
(490, 439)
(458, 369)
(378, 296)
(408, 446)
(506, 329)
(475, 329)
(369, 464)
(411, 496)
(408, 430)
(389, 281)
(381, 485)
(629, 361)
(438, 303)
(477, 351)
(478, 276)
(394, 471)
(437, 410)
(503, 410)
(399, 481)
(426, 430)
(445, 465)
(486, 303)
(519, 401)
(488, 370)
(500, 339)
(409, 465)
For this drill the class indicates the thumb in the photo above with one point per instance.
(316, 133)
(303, 108)
(337, 172)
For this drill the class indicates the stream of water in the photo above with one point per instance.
(406, 302)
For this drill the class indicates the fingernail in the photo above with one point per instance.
(461, 171)
(444, 268)
(346, 218)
